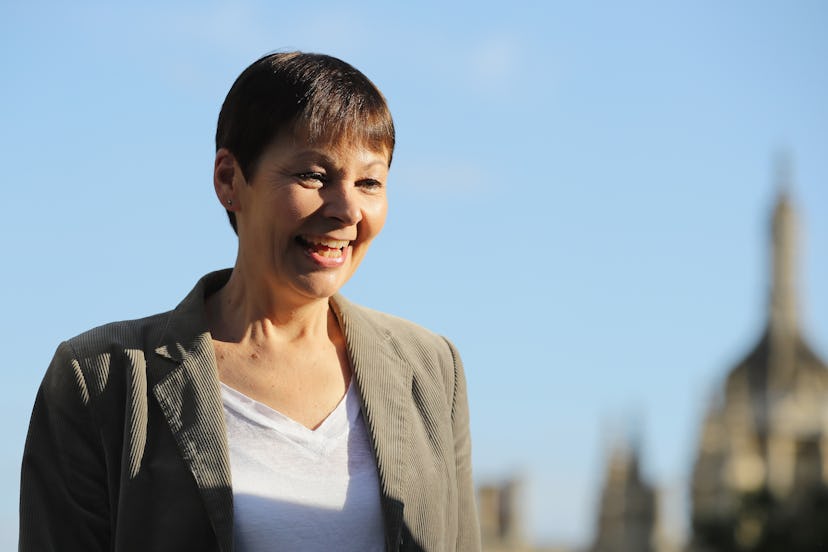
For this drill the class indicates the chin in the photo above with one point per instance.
(321, 288)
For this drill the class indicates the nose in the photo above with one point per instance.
(342, 202)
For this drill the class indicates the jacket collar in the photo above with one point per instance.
(184, 380)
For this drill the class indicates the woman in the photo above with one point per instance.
(340, 428)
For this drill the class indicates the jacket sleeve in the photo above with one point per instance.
(63, 494)
(468, 533)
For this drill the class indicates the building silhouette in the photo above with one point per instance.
(759, 480)
(501, 518)
(627, 510)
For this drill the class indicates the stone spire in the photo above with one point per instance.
(783, 319)
(760, 481)
(627, 510)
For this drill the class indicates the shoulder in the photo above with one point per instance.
(403, 333)
(433, 359)
(122, 349)
(397, 326)
(89, 359)
(172, 328)
(124, 334)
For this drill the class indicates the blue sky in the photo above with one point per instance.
(579, 199)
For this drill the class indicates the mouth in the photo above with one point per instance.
(325, 250)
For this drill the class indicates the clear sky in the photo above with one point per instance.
(579, 199)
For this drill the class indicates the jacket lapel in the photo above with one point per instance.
(184, 380)
(384, 379)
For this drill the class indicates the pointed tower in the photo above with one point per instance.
(627, 512)
(782, 317)
(783, 320)
(761, 466)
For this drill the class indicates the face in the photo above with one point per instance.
(308, 214)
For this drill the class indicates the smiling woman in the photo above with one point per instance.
(308, 213)
(265, 412)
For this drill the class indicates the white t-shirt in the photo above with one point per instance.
(300, 489)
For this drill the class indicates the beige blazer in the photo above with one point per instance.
(127, 448)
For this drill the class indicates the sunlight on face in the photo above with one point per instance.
(309, 213)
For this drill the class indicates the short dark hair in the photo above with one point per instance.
(320, 96)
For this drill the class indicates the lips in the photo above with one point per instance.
(327, 251)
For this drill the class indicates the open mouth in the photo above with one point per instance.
(324, 247)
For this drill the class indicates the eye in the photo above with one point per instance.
(370, 184)
(312, 179)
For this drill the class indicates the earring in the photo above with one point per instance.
(229, 202)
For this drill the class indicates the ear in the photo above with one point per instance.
(227, 177)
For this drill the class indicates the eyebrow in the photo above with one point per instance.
(321, 156)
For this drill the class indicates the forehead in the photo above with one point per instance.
(331, 149)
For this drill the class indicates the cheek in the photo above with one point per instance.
(374, 218)
(288, 214)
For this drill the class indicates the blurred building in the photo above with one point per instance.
(627, 511)
(501, 520)
(759, 481)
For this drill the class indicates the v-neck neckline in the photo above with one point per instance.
(321, 439)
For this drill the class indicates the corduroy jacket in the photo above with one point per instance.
(127, 447)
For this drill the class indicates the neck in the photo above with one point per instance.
(249, 308)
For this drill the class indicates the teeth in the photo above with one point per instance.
(328, 242)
